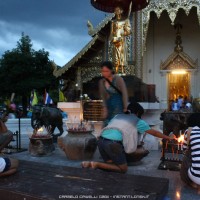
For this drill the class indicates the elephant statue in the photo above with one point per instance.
(48, 117)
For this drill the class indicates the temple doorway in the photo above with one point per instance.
(178, 84)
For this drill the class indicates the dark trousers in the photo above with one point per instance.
(185, 165)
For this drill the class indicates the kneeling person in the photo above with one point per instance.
(111, 142)
(5, 135)
(8, 166)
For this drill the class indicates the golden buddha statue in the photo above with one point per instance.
(120, 29)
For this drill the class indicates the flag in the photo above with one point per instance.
(61, 96)
(12, 97)
(33, 99)
(47, 98)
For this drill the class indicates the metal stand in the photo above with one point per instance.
(172, 163)
(17, 134)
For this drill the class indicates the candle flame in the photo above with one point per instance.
(181, 139)
(178, 195)
(40, 129)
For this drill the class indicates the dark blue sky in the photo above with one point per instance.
(58, 26)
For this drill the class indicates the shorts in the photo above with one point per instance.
(8, 164)
(112, 150)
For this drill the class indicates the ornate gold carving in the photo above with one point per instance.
(178, 85)
(88, 72)
(138, 46)
(76, 58)
(98, 58)
(171, 6)
(129, 70)
(179, 59)
(120, 29)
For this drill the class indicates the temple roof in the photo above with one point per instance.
(82, 57)
(179, 60)
(99, 27)
(172, 7)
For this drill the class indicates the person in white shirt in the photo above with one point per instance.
(111, 141)
(180, 102)
(175, 105)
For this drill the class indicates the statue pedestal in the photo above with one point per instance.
(41, 146)
(73, 109)
(78, 145)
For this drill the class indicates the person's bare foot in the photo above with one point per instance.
(93, 165)
(198, 189)
(86, 164)
(194, 185)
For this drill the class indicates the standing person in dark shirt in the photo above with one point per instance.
(113, 92)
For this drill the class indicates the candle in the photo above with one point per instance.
(81, 123)
(173, 151)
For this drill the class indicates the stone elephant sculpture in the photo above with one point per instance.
(174, 121)
(48, 117)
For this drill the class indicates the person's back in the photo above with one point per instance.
(126, 126)
(194, 170)
(190, 168)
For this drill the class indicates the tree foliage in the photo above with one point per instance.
(23, 69)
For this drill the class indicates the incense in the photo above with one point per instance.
(173, 151)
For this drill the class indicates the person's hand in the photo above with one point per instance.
(172, 137)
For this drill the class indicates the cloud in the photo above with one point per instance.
(60, 43)
(57, 26)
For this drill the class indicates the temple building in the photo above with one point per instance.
(163, 53)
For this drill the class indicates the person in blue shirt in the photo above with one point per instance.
(110, 143)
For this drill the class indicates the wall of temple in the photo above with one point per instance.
(160, 44)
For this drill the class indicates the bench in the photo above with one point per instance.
(35, 181)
